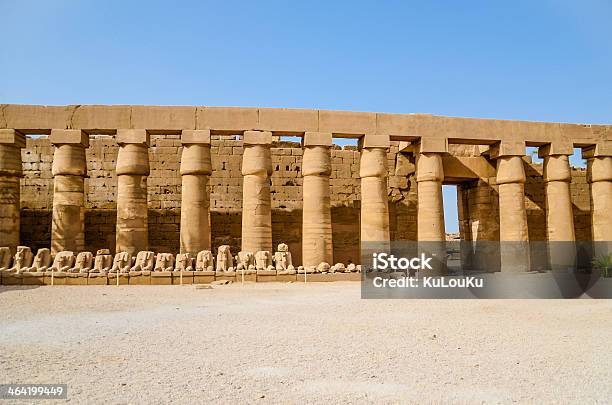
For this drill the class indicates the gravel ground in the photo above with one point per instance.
(296, 343)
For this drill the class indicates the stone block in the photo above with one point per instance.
(397, 124)
(124, 279)
(347, 122)
(36, 118)
(225, 277)
(432, 145)
(97, 279)
(12, 137)
(140, 278)
(195, 136)
(285, 278)
(10, 278)
(134, 136)
(317, 139)
(163, 118)
(507, 148)
(257, 138)
(76, 279)
(266, 277)
(227, 119)
(55, 278)
(104, 118)
(187, 277)
(203, 277)
(69, 137)
(287, 120)
(374, 141)
(33, 278)
(161, 278)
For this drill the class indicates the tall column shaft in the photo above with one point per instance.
(195, 201)
(374, 200)
(256, 198)
(513, 231)
(69, 170)
(132, 199)
(317, 244)
(600, 177)
(11, 143)
(430, 175)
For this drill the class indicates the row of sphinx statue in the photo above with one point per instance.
(123, 262)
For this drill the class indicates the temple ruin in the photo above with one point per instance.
(148, 181)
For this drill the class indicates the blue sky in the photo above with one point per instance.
(547, 60)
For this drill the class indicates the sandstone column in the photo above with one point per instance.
(256, 199)
(69, 170)
(599, 175)
(513, 232)
(431, 233)
(195, 202)
(559, 213)
(132, 171)
(316, 213)
(11, 142)
(374, 200)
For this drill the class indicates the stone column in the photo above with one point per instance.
(256, 199)
(195, 201)
(374, 198)
(559, 213)
(316, 213)
(431, 233)
(11, 142)
(69, 171)
(132, 171)
(599, 175)
(513, 231)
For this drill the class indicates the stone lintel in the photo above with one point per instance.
(69, 137)
(133, 136)
(555, 149)
(432, 145)
(317, 139)
(195, 136)
(12, 137)
(257, 138)
(507, 148)
(601, 149)
(374, 141)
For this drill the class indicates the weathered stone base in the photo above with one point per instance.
(327, 277)
(10, 278)
(55, 278)
(140, 278)
(75, 279)
(186, 279)
(33, 278)
(203, 277)
(97, 279)
(124, 279)
(161, 278)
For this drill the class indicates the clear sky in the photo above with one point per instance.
(547, 60)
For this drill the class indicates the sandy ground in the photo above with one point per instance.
(296, 343)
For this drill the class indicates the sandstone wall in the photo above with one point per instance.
(477, 208)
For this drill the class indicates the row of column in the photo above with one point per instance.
(132, 168)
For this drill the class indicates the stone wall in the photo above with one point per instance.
(477, 212)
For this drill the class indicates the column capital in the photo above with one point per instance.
(600, 149)
(195, 137)
(317, 139)
(431, 145)
(12, 137)
(257, 138)
(556, 149)
(76, 137)
(133, 136)
(374, 141)
(507, 148)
